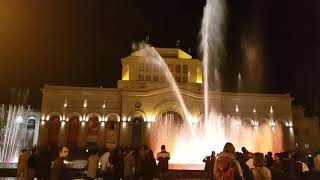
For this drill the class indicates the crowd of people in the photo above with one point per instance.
(124, 163)
(230, 164)
(129, 163)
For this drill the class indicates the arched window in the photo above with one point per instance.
(54, 129)
(73, 130)
(93, 129)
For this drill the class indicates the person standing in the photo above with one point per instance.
(58, 167)
(93, 163)
(316, 160)
(209, 165)
(106, 166)
(226, 165)
(260, 170)
(33, 164)
(22, 164)
(163, 162)
(129, 165)
(149, 166)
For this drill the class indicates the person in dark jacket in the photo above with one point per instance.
(33, 164)
(58, 167)
(149, 166)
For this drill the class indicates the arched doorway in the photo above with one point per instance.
(137, 124)
(31, 125)
(73, 130)
(93, 129)
(112, 127)
(166, 130)
(54, 129)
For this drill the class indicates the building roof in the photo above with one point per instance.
(165, 53)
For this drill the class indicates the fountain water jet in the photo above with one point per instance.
(13, 132)
(190, 142)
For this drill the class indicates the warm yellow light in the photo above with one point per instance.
(183, 55)
(124, 124)
(150, 118)
(65, 103)
(199, 75)
(271, 109)
(85, 103)
(125, 73)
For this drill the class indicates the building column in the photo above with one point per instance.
(101, 137)
(62, 133)
(43, 133)
(82, 134)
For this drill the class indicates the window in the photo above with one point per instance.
(141, 67)
(148, 78)
(178, 69)
(141, 77)
(185, 79)
(148, 67)
(185, 68)
(178, 79)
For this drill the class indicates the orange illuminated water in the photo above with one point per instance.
(189, 139)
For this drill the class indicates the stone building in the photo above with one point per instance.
(85, 115)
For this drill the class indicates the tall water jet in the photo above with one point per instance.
(13, 132)
(212, 43)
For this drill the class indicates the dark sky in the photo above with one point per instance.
(81, 42)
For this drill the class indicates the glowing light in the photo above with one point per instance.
(19, 119)
(150, 118)
(271, 109)
(272, 123)
(237, 108)
(126, 73)
(289, 124)
(65, 103)
(255, 123)
(85, 103)
(254, 110)
(43, 123)
(149, 125)
(199, 75)
(124, 124)
(102, 124)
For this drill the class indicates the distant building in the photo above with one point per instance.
(82, 116)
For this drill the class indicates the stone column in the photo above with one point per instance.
(62, 133)
(101, 137)
(43, 133)
(82, 135)
(125, 133)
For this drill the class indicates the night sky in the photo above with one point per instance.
(81, 42)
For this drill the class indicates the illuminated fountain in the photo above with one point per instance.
(189, 139)
(14, 134)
